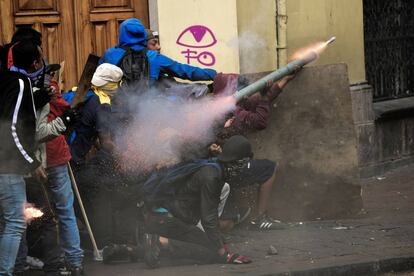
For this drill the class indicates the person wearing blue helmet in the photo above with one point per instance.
(132, 35)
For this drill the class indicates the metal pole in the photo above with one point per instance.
(97, 254)
(274, 76)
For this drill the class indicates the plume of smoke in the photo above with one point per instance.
(164, 129)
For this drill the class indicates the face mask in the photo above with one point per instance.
(35, 76)
(232, 170)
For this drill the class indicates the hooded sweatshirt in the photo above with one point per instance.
(132, 34)
(17, 124)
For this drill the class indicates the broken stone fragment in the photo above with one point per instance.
(272, 250)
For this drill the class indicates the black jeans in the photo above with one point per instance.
(186, 241)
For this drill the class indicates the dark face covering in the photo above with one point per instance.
(232, 170)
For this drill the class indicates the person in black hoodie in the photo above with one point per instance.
(43, 94)
(17, 136)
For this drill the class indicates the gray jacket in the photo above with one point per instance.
(46, 131)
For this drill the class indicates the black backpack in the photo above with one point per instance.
(162, 185)
(135, 66)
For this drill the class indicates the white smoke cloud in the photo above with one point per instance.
(164, 129)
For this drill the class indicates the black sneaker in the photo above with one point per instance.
(264, 222)
(152, 249)
(77, 271)
(118, 253)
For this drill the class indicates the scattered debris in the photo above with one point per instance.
(272, 250)
(312, 261)
(342, 227)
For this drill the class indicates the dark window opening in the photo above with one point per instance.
(389, 47)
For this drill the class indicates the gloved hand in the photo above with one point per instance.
(234, 258)
(41, 97)
(70, 116)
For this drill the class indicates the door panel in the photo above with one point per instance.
(27, 6)
(71, 29)
(99, 21)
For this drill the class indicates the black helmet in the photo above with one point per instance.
(236, 148)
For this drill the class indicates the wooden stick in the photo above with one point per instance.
(96, 252)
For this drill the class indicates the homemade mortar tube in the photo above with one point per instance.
(278, 74)
(286, 70)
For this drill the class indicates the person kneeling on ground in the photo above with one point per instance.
(242, 171)
(178, 197)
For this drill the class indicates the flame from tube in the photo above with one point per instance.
(31, 213)
(316, 48)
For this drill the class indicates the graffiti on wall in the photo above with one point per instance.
(197, 40)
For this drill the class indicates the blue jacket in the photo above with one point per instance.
(132, 34)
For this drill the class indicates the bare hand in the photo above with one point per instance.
(51, 91)
(40, 174)
(229, 122)
(215, 149)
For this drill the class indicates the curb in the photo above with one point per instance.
(365, 268)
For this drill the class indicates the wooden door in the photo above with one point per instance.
(71, 29)
(97, 23)
(54, 19)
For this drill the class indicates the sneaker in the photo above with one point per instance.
(77, 271)
(34, 263)
(119, 252)
(264, 222)
(152, 249)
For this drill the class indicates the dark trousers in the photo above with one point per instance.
(185, 240)
(111, 211)
(41, 238)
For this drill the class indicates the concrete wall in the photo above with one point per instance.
(257, 35)
(246, 31)
(312, 137)
(318, 20)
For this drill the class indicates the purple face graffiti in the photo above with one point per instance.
(198, 37)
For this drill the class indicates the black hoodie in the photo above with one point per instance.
(17, 124)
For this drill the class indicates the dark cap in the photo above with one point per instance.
(236, 148)
(151, 34)
(52, 68)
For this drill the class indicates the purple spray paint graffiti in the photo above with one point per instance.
(198, 37)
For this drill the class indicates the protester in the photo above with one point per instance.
(41, 239)
(133, 41)
(42, 94)
(22, 33)
(97, 175)
(153, 40)
(177, 198)
(55, 118)
(17, 131)
(52, 120)
(96, 112)
(167, 84)
(253, 113)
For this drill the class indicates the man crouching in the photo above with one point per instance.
(179, 197)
